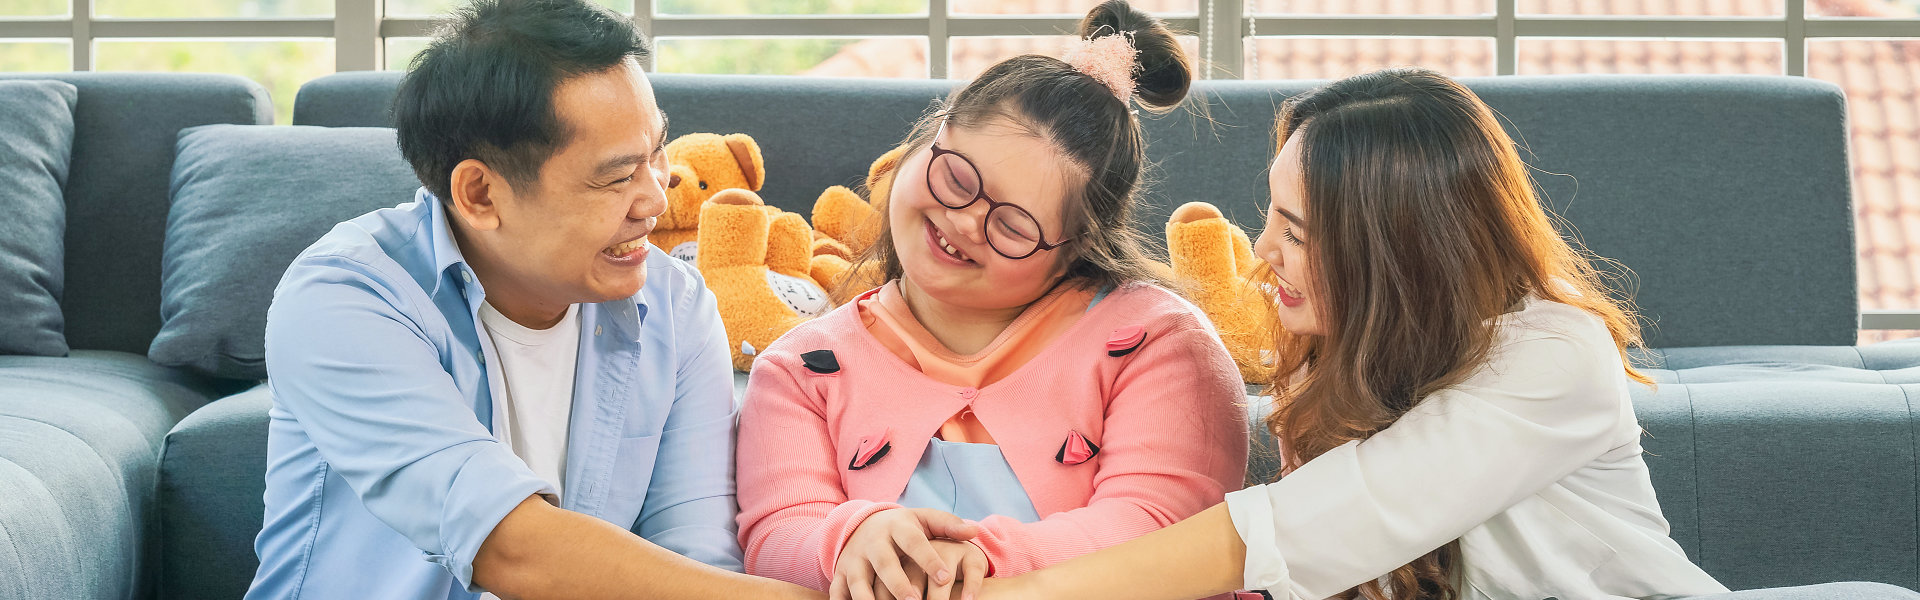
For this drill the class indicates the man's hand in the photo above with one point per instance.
(972, 563)
(870, 565)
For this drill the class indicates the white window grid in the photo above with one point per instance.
(360, 29)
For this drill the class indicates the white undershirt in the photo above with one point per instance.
(538, 366)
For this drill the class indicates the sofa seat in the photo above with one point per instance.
(80, 443)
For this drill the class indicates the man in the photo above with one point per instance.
(499, 387)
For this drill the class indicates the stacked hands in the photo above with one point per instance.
(910, 554)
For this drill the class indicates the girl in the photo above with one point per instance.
(1017, 370)
(1457, 422)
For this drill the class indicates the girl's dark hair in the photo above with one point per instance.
(1424, 227)
(1097, 130)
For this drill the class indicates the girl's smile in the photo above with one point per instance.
(944, 250)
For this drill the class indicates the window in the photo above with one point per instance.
(1871, 48)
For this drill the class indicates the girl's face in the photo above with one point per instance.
(944, 252)
(1283, 244)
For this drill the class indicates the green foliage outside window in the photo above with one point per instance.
(755, 56)
(204, 9)
(790, 7)
(35, 56)
(33, 8)
(280, 65)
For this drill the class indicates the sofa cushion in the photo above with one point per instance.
(125, 126)
(1801, 482)
(246, 200)
(36, 136)
(212, 478)
(80, 440)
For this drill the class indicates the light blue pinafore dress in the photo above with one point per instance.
(972, 481)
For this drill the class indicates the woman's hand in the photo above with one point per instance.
(870, 565)
(1016, 588)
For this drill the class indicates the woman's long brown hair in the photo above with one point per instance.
(1424, 227)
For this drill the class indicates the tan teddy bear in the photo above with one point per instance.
(758, 264)
(700, 166)
(845, 226)
(1213, 259)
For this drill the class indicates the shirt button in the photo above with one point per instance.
(466, 276)
(969, 393)
(596, 330)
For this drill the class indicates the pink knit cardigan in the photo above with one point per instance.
(1142, 377)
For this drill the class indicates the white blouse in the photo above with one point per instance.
(1533, 463)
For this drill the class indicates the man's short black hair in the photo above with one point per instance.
(484, 87)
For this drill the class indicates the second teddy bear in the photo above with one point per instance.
(845, 226)
(758, 266)
(1214, 260)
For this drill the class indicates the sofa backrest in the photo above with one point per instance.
(1727, 196)
(125, 125)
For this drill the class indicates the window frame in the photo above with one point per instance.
(360, 29)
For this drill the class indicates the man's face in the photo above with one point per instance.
(579, 234)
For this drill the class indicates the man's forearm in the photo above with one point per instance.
(541, 551)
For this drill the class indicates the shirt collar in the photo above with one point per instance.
(446, 251)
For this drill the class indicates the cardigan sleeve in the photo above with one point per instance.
(794, 514)
(1544, 406)
(1175, 441)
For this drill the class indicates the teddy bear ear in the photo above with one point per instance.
(747, 153)
(884, 166)
(678, 146)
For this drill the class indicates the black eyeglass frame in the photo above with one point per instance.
(992, 205)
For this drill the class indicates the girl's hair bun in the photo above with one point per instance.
(1163, 72)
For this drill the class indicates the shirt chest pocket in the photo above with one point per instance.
(632, 475)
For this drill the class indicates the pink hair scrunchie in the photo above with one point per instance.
(1108, 59)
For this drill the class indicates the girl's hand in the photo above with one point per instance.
(972, 563)
(871, 559)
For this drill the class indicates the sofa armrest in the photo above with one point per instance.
(212, 478)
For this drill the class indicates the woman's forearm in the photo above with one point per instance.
(1196, 558)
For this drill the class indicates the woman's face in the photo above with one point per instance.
(944, 252)
(1283, 243)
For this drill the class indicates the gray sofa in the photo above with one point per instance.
(81, 435)
(1782, 454)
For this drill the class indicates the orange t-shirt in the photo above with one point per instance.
(887, 317)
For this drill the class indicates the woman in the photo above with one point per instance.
(1455, 422)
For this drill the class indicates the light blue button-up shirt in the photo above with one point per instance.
(383, 474)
